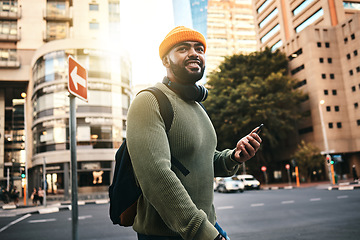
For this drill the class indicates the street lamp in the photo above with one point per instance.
(326, 145)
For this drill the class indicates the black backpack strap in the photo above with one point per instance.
(166, 110)
(167, 113)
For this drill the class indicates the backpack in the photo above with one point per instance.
(124, 190)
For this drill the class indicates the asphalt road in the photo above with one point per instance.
(275, 214)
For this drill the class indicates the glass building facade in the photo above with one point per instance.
(100, 122)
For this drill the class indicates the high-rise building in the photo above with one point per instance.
(36, 39)
(321, 39)
(230, 30)
(199, 15)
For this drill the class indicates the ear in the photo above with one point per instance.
(166, 61)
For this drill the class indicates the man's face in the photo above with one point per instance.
(187, 62)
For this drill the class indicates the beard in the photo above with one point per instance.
(185, 76)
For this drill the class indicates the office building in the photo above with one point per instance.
(230, 30)
(37, 37)
(321, 39)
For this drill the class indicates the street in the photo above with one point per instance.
(307, 213)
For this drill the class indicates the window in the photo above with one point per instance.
(348, 56)
(276, 45)
(339, 125)
(310, 20)
(329, 60)
(345, 40)
(332, 76)
(358, 69)
(306, 130)
(351, 5)
(356, 105)
(326, 92)
(300, 84)
(355, 52)
(358, 122)
(271, 33)
(318, 44)
(334, 92)
(321, 60)
(295, 54)
(351, 72)
(93, 7)
(353, 88)
(268, 18)
(94, 25)
(327, 44)
(263, 6)
(301, 7)
(337, 108)
(331, 125)
(353, 36)
(323, 76)
(298, 69)
(328, 108)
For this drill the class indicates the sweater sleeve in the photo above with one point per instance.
(224, 166)
(150, 154)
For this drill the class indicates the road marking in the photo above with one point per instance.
(82, 217)
(288, 202)
(225, 207)
(343, 196)
(257, 204)
(15, 221)
(315, 199)
(42, 220)
(48, 210)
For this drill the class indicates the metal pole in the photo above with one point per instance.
(26, 152)
(289, 178)
(8, 179)
(44, 177)
(74, 199)
(326, 145)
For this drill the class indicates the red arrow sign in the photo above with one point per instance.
(77, 84)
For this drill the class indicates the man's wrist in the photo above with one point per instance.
(232, 157)
(219, 237)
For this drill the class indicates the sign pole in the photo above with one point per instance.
(74, 197)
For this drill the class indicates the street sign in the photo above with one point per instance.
(77, 83)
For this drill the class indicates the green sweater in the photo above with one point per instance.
(173, 204)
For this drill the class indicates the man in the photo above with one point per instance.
(175, 205)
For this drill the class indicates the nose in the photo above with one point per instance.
(193, 52)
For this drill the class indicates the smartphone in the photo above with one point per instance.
(259, 129)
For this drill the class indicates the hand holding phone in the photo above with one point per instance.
(259, 128)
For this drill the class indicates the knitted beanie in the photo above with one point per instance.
(178, 35)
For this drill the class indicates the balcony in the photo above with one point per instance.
(58, 15)
(51, 36)
(10, 37)
(9, 59)
(10, 13)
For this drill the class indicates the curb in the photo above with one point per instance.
(277, 188)
(10, 210)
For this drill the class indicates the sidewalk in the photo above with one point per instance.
(54, 203)
(57, 203)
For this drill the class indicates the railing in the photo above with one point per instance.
(10, 12)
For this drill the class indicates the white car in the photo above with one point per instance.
(249, 181)
(229, 184)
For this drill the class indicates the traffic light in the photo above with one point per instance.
(329, 161)
(22, 172)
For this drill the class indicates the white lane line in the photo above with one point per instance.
(257, 204)
(82, 217)
(315, 199)
(288, 202)
(15, 221)
(42, 220)
(343, 196)
(225, 207)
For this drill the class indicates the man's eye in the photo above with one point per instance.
(200, 49)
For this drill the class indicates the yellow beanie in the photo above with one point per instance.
(177, 35)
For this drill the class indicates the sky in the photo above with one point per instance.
(144, 24)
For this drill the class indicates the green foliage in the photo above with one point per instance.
(308, 159)
(253, 89)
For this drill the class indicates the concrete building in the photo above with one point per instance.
(230, 30)
(36, 39)
(321, 39)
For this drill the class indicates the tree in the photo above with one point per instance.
(249, 90)
(308, 159)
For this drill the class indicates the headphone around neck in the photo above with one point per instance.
(188, 92)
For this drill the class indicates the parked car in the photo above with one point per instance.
(249, 181)
(229, 184)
